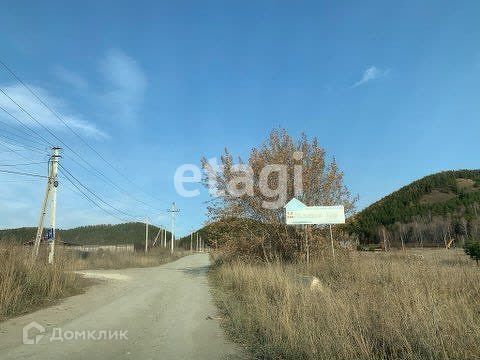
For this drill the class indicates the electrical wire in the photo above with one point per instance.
(82, 193)
(63, 170)
(20, 144)
(96, 171)
(16, 151)
(24, 164)
(106, 180)
(25, 126)
(72, 130)
(23, 173)
(18, 181)
(77, 154)
(11, 133)
(15, 129)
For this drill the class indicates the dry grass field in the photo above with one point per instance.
(121, 260)
(26, 285)
(421, 304)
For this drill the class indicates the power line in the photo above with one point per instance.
(63, 170)
(25, 164)
(5, 151)
(11, 133)
(20, 121)
(11, 142)
(81, 192)
(23, 173)
(39, 123)
(17, 130)
(15, 151)
(19, 181)
(76, 153)
(70, 128)
(106, 180)
(48, 130)
(20, 144)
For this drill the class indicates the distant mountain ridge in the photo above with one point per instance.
(437, 207)
(453, 196)
(128, 233)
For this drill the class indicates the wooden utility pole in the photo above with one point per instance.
(307, 250)
(331, 241)
(159, 235)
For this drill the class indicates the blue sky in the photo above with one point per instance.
(391, 90)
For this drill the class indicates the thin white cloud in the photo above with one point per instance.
(370, 74)
(127, 83)
(70, 78)
(25, 99)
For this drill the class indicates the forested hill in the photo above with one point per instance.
(127, 233)
(446, 204)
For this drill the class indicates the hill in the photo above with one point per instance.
(432, 210)
(126, 233)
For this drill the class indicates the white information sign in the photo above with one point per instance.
(297, 213)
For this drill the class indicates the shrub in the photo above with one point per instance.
(472, 249)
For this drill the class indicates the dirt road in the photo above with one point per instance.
(164, 312)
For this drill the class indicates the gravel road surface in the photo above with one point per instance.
(164, 312)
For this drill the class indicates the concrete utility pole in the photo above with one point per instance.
(173, 210)
(165, 237)
(53, 204)
(146, 235)
(197, 242)
(50, 194)
(191, 240)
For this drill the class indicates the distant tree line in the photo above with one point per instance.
(127, 233)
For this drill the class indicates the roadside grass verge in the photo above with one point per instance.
(121, 260)
(414, 305)
(26, 285)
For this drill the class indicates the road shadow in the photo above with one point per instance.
(197, 271)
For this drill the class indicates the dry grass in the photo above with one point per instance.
(26, 285)
(121, 260)
(418, 305)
